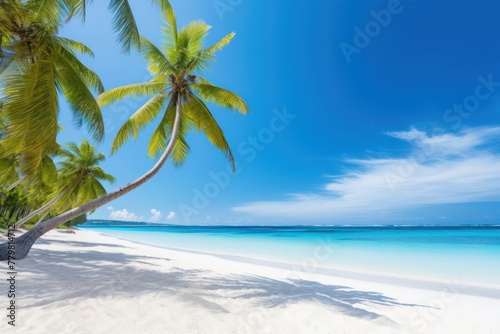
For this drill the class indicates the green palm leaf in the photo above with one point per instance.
(49, 11)
(124, 24)
(201, 60)
(77, 8)
(8, 171)
(219, 45)
(74, 45)
(157, 61)
(134, 90)
(170, 29)
(161, 136)
(220, 96)
(30, 131)
(204, 121)
(192, 36)
(145, 115)
(80, 98)
(158, 141)
(47, 172)
(89, 77)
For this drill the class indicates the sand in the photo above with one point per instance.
(90, 283)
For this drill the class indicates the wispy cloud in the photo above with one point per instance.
(440, 168)
(171, 215)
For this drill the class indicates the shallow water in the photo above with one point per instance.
(469, 254)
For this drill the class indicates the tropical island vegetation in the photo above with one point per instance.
(44, 184)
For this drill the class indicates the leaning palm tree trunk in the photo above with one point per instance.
(23, 244)
(45, 207)
(15, 184)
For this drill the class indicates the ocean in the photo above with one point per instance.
(465, 254)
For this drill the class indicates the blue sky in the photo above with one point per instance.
(362, 112)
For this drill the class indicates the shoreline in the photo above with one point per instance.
(409, 281)
(473, 284)
(120, 284)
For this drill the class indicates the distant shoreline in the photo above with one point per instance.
(134, 223)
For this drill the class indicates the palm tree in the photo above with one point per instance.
(42, 65)
(176, 91)
(82, 161)
(79, 177)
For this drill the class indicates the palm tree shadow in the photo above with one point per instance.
(68, 276)
(72, 243)
(273, 293)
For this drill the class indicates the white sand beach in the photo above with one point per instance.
(91, 283)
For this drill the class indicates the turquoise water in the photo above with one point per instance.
(467, 253)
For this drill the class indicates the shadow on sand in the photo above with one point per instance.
(93, 274)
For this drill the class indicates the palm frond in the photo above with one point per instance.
(30, 131)
(192, 37)
(85, 107)
(88, 190)
(164, 6)
(201, 60)
(161, 136)
(49, 11)
(89, 77)
(77, 8)
(98, 173)
(124, 24)
(157, 61)
(157, 142)
(219, 45)
(170, 28)
(47, 172)
(189, 42)
(220, 96)
(97, 189)
(8, 170)
(204, 121)
(136, 90)
(71, 44)
(145, 115)
(181, 147)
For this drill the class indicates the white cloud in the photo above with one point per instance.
(440, 144)
(156, 216)
(441, 168)
(122, 215)
(171, 215)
